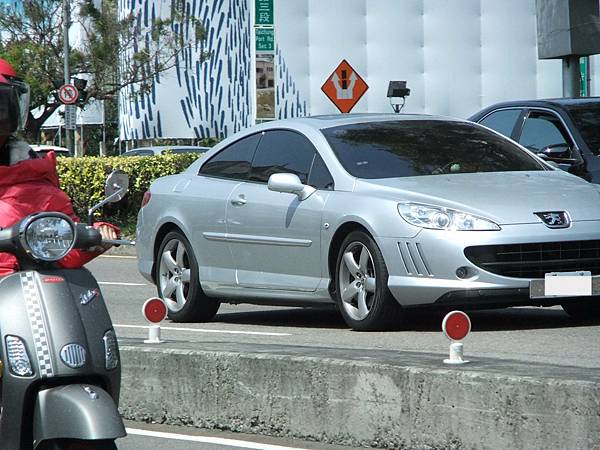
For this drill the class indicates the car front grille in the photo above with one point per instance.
(536, 259)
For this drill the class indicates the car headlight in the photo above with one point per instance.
(48, 236)
(438, 218)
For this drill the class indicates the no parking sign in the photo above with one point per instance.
(68, 94)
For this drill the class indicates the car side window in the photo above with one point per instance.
(233, 162)
(282, 151)
(319, 176)
(542, 129)
(502, 121)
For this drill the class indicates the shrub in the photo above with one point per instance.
(83, 180)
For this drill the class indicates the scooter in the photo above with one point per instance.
(61, 371)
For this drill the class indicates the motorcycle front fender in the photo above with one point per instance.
(76, 411)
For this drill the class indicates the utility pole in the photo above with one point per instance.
(571, 75)
(70, 134)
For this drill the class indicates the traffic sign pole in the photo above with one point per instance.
(70, 134)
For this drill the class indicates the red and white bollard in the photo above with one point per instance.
(456, 326)
(154, 311)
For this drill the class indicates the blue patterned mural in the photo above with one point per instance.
(288, 99)
(196, 99)
(211, 98)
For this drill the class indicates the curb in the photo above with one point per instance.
(122, 250)
(362, 397)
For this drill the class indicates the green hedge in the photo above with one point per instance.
(83, 180)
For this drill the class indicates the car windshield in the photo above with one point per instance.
(587, 121)
(408, 148)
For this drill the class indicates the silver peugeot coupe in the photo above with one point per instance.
(376, 213)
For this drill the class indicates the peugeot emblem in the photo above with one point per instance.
(555, 219)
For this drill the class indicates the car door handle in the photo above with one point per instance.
(239, 201)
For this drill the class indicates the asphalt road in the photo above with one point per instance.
(526, 334)
(153, 436)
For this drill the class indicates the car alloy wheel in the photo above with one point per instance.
(362, 294)
(177, 281)
(357, 280)
(174, 281)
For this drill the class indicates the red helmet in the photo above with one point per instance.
(14, 100)
(6, 69)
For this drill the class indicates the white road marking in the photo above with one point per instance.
(115, 283)
(118, 256)
(200, 330)
(208, 440)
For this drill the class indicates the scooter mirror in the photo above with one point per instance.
(117, 184)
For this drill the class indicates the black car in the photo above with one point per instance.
(563, 130)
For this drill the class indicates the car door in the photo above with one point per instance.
(275, 238)
(208, 195)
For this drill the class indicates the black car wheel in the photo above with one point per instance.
(178, 283)
(588, 309)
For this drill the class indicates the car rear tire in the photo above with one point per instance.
(178, 283)
(362, 292)
(588, 309)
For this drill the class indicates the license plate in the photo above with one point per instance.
(562, 284)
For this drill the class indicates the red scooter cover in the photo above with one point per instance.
(31, 186)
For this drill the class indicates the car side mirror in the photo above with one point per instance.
(291, 184)
(557, 151)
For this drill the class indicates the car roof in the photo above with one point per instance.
(55, 148)
(547, 102)
(160, 148)
(333, 120)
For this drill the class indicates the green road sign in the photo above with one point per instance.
(265, 40)
(584, 74)
(264, 12)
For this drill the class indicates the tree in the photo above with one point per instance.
(116, 50)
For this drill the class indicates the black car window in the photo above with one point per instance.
(319, 176)
(233, 161)
(407, 148)
(542, 129)
(587, 121)
(282, 151)
(502, 121)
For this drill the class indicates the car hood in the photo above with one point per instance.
(504, 197)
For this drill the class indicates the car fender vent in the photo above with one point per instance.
(414, 260)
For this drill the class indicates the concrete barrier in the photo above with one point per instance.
(362, 397)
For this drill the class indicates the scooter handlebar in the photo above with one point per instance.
(87, 236)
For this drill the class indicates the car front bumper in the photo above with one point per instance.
(423, 270)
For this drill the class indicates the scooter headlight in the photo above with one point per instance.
(18, 359)
(48, 236)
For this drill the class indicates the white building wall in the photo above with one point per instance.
(457, 57)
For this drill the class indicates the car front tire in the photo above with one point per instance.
(588, 309)
(362, 292)
(178, 282)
